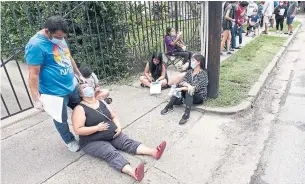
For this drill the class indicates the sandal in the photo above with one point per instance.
(139, 172)
(108, 100)
(160, 150)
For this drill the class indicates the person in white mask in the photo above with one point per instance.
(267, 13)
(51, 72)
(100, 134)
(193, 88)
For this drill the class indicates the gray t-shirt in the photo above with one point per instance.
(93, 80)
(291, 8)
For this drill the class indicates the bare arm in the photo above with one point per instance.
(78, 122)
(75, 69)
(227, 15)
(175, 41)
(163, 73)
(34, 71)
(146, 72)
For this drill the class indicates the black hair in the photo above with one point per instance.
(201, 59)
(244, 3)
(156, 70)
(56, 23)
(168, 30)
(85, 71)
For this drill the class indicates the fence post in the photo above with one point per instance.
(176, 16)
(214, 33)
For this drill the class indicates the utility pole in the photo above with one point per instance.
(214, 33)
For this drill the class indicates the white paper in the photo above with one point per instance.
(53, 106)
(155, 88)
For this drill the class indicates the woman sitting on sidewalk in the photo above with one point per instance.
(100, 134)
(193, 88)
(154, 71)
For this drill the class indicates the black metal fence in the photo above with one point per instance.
(114, 38)
(15, 97)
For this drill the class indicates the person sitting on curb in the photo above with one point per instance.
(155, 70)
(101, 134)
(193, 88)
(91, 78)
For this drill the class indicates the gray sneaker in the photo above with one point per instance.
(73, 146)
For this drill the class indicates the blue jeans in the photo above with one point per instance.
(233, 39)
(240, 34)
(71, 100)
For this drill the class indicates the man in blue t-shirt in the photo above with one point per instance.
(51, 72)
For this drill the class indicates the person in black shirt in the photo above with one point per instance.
(101, 134)
(155, 70)
(193, 88)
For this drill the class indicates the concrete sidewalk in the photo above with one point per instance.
(32, 151)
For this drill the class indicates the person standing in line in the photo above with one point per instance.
(291, 13)
(234, 26)
(280, 14)
(275, 4)
(227, 26)
(240, 13)
(51, 72)
(267, 13)
(260, 13)
(251, 7)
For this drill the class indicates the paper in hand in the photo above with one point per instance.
(53, 106)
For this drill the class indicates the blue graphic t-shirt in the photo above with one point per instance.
(56, 72)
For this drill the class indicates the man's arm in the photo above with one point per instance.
(33, 81)
(75, 69)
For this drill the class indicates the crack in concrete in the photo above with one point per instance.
(168, 174)
(76, 160)
(25, 129)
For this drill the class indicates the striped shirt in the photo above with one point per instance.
(199, 81)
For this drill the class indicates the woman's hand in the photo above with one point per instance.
(118, 131)
(190, 90)
(102, 126)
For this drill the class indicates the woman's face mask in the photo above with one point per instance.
(193, 63)
(88, 91)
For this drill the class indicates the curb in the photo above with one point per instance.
(256, 88)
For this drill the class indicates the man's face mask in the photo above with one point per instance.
(57, 41)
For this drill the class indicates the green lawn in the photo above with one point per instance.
(239, 72)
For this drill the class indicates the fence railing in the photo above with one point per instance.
(112, 37)
(15, 97)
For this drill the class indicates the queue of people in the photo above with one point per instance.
(255, 15)
(53, 72)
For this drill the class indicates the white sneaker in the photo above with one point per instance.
(281, 32)
(73, 146)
